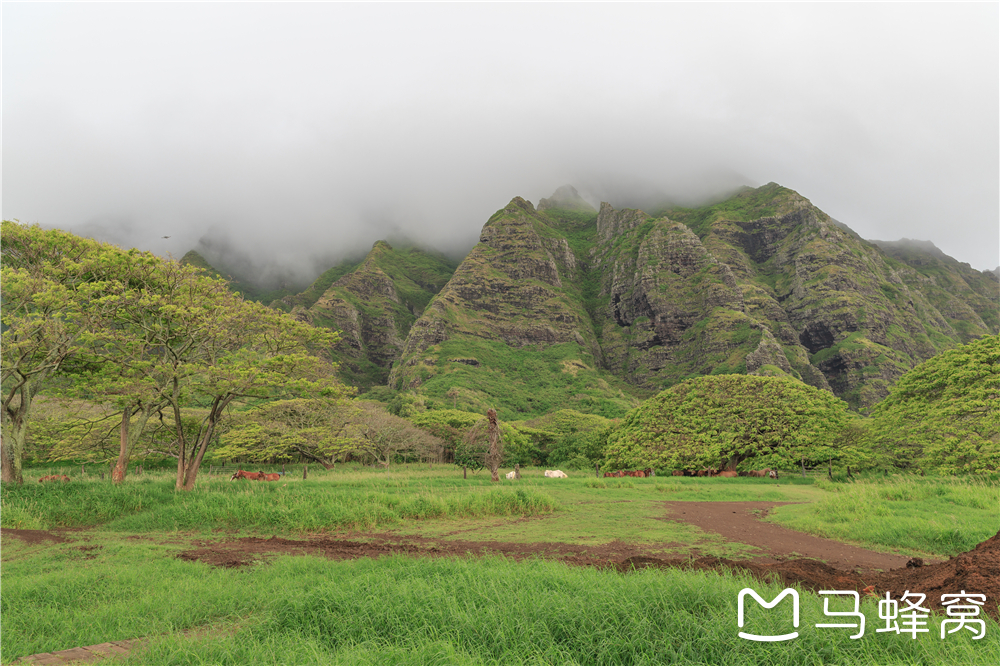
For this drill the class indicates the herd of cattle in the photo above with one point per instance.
(549, 473)
(640, 473)
(254, 476)
(767, 472)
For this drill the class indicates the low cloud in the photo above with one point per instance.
(294, 136)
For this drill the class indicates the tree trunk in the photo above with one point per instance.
(829, 470)
(493, 457)
(214, 416)
(16, 431)
(118, 475)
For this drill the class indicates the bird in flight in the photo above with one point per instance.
(166, 236)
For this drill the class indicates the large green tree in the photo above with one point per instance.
(147, 334)
(50, 280)
(944, 414)
(725, 421)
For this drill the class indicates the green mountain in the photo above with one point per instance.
(373, 303)
(568, 307)
(562, 304)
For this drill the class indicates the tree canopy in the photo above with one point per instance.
(725, 421)
(944, 414)
(148, 334)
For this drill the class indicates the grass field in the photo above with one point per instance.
(127, 581)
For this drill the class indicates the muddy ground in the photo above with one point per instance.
(787, 556)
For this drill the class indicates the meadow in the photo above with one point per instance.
(117, 576)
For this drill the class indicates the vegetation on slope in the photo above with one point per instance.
(944, 415)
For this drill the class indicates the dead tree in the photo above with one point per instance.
(494, 456)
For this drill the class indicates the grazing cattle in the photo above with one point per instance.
(707, 472)
(617, 474)
(268, 477)
(54, 477)
(252, 476)
(678, 472)
(728, 474)
(556, 474)
(510, 474)
(762, 473)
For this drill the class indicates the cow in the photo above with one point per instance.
(54, 477)
(707, 472)
(678, 472)
(762, 473)
(556, 474)
(728, 474)
(617, 474)
(268, 477)
(252, 476)
(510, 474)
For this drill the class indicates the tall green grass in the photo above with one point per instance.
(331, 502)
(305, 610)
(936, 516)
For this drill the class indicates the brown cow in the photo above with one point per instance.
(728, 474)
(269, 477)
(251, 476)
(678, 472)
(54, 477)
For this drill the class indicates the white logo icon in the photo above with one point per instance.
(784, 593)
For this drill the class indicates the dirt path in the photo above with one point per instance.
(741, 521)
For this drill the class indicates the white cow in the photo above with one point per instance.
(510, 475)
(556, 474)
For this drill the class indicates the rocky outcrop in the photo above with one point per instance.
(374, 306)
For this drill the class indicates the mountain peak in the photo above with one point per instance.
(566, 198)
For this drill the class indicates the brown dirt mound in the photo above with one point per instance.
(976, 572)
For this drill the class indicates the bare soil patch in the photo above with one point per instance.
(741, 522)
(32, 537)
(846, 567)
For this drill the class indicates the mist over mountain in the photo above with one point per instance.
(567, 303)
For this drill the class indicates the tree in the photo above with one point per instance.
(49, 281)
(726, 420)
(148, 333)
(383, 436)
(318, 429)
(944, 414)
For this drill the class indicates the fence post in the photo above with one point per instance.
(517, 471)
(803, 468)
(829, 469)
(465, 472)
(305, 472)
(282, 469)
(81, 470)
(597, 470)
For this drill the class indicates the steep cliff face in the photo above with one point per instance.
(835, 303)
(668, 308)
(373, 305)
(518, 294)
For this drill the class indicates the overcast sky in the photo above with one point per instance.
(298, 133)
